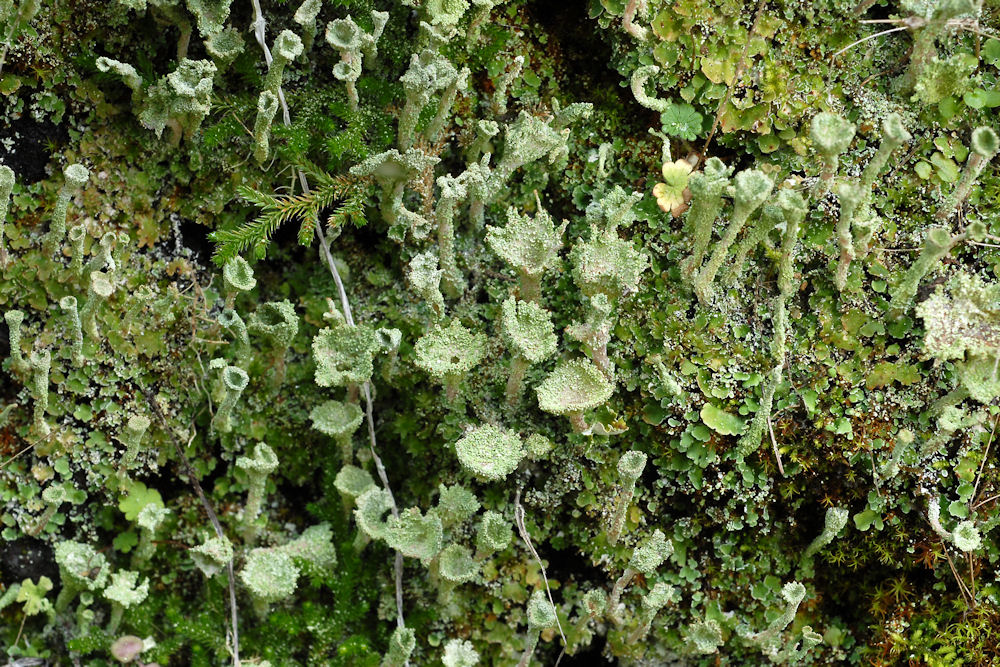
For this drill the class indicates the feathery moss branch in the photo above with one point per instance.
(277, 210)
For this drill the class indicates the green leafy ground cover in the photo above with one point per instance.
(450, 332)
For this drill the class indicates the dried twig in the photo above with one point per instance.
(774, 445)
(967, 596)
(259, 26)
(523, 532)
(982, 464)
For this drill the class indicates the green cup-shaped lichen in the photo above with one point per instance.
(14, 319)
(529, 333)
(415, 535)
(966, 536)
(305, 16)
(68, 305)
(344, 355)
(609, 265)
(541, 614)
(54, 496)
(339, 421)
(894, 135)
(131, 436)
(100, 289)
(937, 245)
(343, 34)
(124, 591)
(750, 191)
(313, 550)
(6, 186)
(707, 188)
(490, 452)
(263, 462)
(81, 568)
(646, 557)
(224, 46)
(494, 534)
(231, 320)
(529, 245)
(452, 191)
(267, 107)
(831, 135)
(571, 389)
(401, 645)
(235, 380)
(458, 653)
(851, 196)
(40, 361)
(985, 144)
(77, 235)
(836, 519)
(150, 518)
(76, 175)
(238, 275)
(276, 321)
(592, 608)
(456, 564)
(630, 467)
(352, 482)
(287, 47)
(455, 504)
(652, 602)
(793, 592)
(528, 330)
(425, 277)
(212, 555)
(447, 353)
(270, 575)
(372, 507)
(705, 637)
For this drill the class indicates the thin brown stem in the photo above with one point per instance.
(970, 601)
(982, 464)
(209, 510)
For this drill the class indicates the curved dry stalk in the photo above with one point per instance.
(259, 28)
(865, 39)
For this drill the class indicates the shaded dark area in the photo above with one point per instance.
(569, 565)
(585, 57)
(591, 655)
(194, 236)
(33, 143)
(28, 558)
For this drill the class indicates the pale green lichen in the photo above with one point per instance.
(456, 564)
(571, 389)
(339, 421)
(448, 353)
(493, 534)
(76, 176)
(257, 468)
(831, 134)
(490, 452)
(270, 575)
(414, 534)
(234, 381)
(528, 330)
(458, 653)
(529, 244)
(344, 355)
